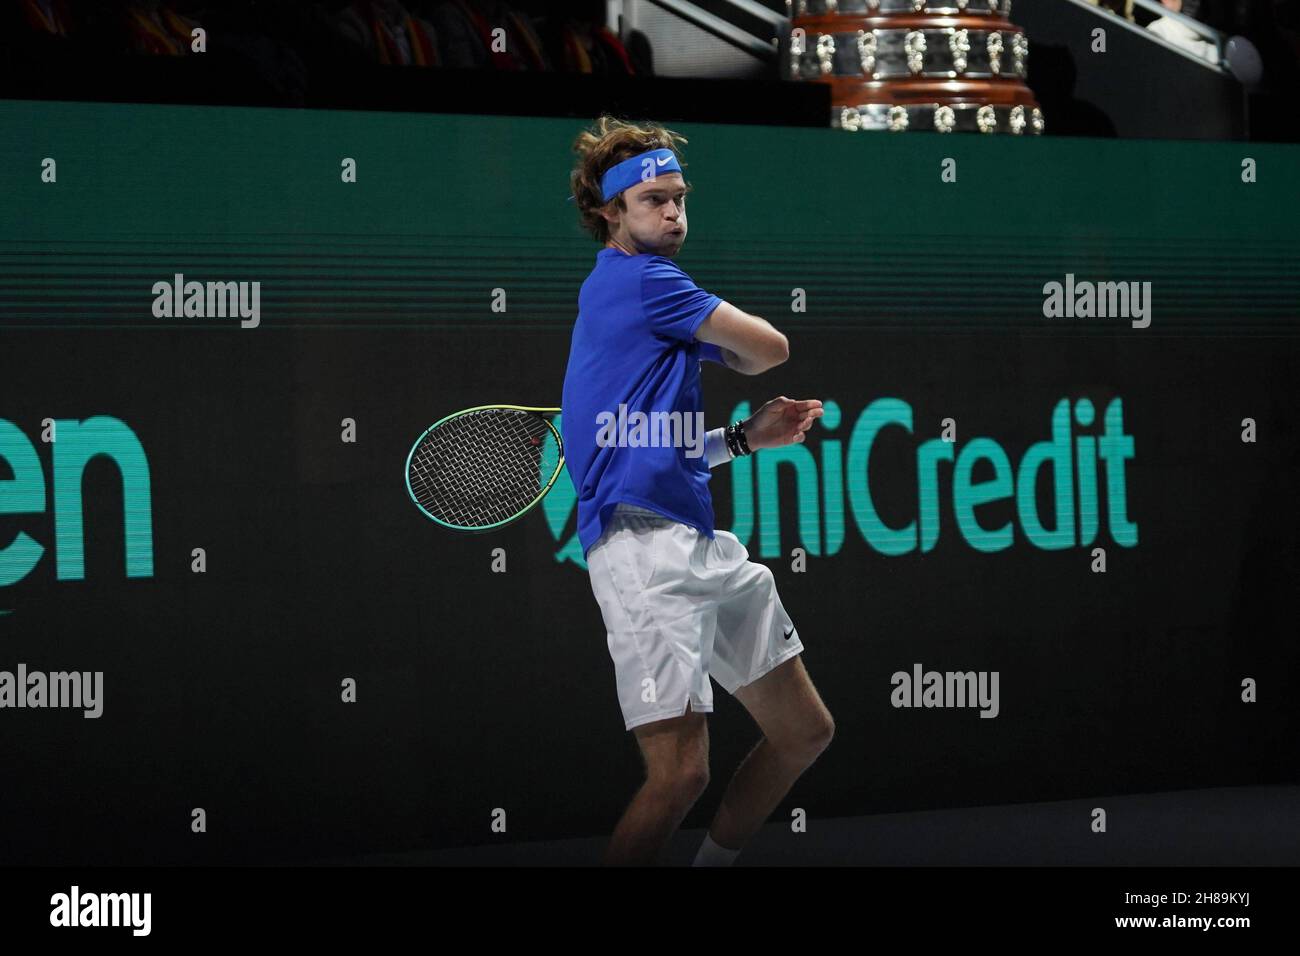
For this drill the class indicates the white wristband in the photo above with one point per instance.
(715, 447)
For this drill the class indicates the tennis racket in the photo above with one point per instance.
(484, 467)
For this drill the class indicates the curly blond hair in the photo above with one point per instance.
(605, 144)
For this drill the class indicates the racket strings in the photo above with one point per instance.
(482, 468)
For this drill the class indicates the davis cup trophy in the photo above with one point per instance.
(942, 65)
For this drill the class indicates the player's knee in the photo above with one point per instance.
(681, 784)
(822, 732)
(806, 741)
(693, 780)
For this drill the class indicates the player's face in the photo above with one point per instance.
(655, 221)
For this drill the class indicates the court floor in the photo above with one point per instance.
(1229, 826)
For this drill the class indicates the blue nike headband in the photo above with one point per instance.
(642, 168)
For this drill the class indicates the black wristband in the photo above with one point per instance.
(733, 445)
(740, 437)
(736, 441)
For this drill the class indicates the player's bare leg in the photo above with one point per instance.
(796, 727)
(676, 753)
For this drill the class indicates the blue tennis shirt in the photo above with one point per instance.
(634, 345)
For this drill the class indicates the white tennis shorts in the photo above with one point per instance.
(680, 608)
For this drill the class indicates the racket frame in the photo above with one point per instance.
(546, 414)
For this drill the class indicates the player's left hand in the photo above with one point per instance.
(782, 421)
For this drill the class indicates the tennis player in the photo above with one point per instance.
(681, 601)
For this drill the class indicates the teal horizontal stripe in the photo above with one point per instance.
(792, 272)
(272, 285)
(1262, 333)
